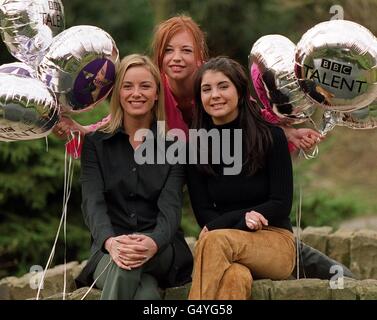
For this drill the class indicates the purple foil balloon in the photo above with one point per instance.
(80, 67)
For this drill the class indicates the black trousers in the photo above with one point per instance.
(315, 264)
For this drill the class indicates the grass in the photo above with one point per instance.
(341, 182)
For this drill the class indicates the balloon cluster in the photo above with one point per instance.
(333, 66)
(58, 71)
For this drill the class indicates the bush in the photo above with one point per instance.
(27, 242)
(189, 224)
(323, 209)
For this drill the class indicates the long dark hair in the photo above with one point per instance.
(256, 135)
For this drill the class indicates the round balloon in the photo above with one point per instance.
(336, 64)
(28, 27)
(28, 109)
(18, 68)
(271, 63)
(80, 67)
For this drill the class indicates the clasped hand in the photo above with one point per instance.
(131, 251)
(65, 126)
(303, 138)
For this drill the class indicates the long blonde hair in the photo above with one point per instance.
(116, 111)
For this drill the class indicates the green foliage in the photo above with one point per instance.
(27, 242)
(31, 196)
(323, 206)
(249, 20)
(189, 224)
(92, 116)
(129, 22)
(30, 174)
(323, 209)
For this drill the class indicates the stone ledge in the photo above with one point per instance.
(303, 289)
(355, 248)
(13, 288)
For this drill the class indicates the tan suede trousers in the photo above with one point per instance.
(227, 260)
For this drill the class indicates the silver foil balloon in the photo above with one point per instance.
(364, 118)
(28, 109)
(28, 27)
(336, 63)
(80, 67)
(18, 68)
(271, 64)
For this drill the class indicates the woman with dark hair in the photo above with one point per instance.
(246, 230)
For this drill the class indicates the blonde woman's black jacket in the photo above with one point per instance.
(120, 196)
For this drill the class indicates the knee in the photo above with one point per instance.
(214, 239)
(241, 273)
(148, 288)
(119, 274)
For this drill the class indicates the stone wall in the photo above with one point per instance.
(303, 289)
(25, 287)
(355, 249)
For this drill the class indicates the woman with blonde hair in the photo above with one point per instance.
(133, 210)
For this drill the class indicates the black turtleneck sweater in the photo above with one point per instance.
(221, 201)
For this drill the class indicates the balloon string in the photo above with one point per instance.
(311, 155)
(95, 280)
(46, 139)
(50, 257)
(298, 235)
(77, 147)
(65, 221)
(68, 177)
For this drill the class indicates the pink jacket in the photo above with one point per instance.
(260, 90)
